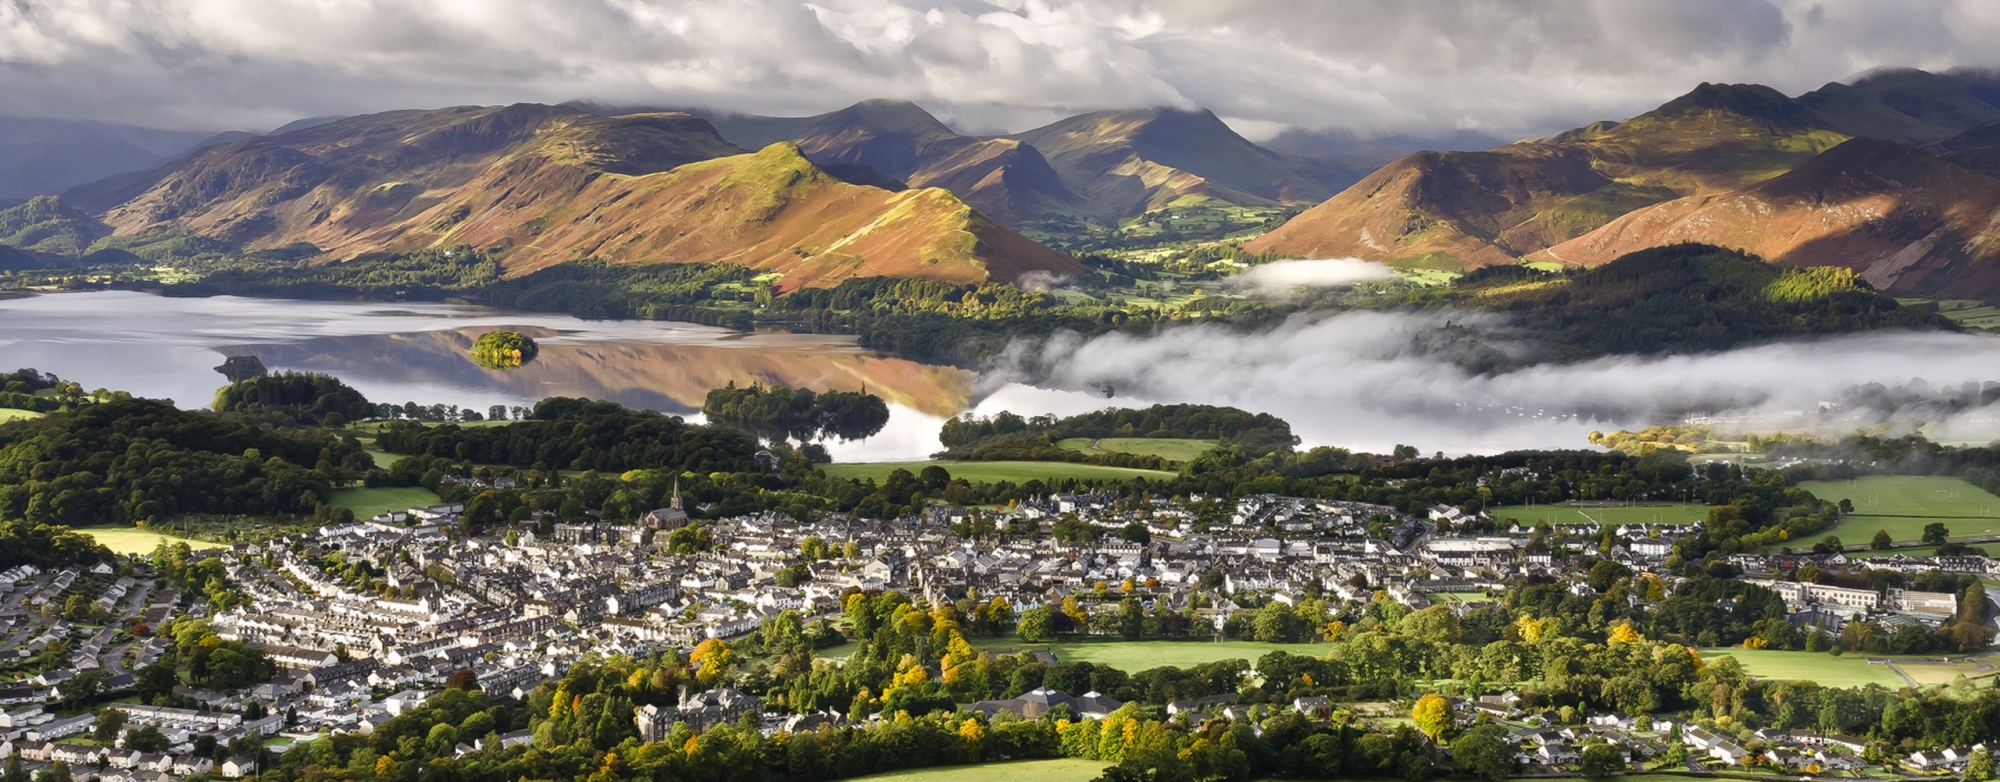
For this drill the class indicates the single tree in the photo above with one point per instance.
(1881, 541)
(1936, 533)
(1432, 715)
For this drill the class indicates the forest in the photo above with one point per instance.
(1006, 436)
(778, 412)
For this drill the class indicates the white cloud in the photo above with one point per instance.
(1375, 66)
(1371, 380)
(1279, 279)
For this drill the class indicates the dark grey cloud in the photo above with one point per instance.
(1508, 67)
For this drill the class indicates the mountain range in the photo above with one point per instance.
(1892, 175)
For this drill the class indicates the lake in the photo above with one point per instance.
(1351, 380)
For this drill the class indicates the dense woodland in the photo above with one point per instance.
(797, 413)
(306, 398)
(1005, 436)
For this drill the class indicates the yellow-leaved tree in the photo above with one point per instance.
(1432, 715)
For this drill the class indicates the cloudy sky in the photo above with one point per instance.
(1425, 67)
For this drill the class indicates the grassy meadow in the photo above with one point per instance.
(1172, 448)
(1905, 504)
(1058, 770)
(1847, 670)
(1565, 514)
(368, 502)
(11, 414)
(994, 472)
(132, 540)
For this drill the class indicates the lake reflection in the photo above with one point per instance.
(161, 347)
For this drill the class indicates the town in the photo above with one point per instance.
(362, 621)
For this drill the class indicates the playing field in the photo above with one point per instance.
(1567, 514)
(366, 503)
(1172, 448)
(1060, 770)
(1848, 670)
(995, 472)
(131, 540)
(1136, 656)
(1905, 504)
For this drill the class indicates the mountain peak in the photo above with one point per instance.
(896, 116)
(1754, 101)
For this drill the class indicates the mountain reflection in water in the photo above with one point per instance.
(167, 348)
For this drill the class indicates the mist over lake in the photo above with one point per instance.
(1351, 380)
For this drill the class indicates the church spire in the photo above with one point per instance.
(676, 503)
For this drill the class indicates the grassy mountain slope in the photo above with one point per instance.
(1130, 162)
(1468, 210)
(1907, 221)
(540, 185)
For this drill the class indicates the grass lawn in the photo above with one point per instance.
(1059, 770)
(1136, 656)
(1848, 670)
(1566, 514)
(1460, 597)
(383, 459)
(1173, 448)
(11, 414)
(994, 472)
(132, 540)
(366, 503)
(1901, 503)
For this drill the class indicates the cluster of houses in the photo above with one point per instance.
(513, 610)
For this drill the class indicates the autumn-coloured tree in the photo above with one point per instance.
(1432, 715)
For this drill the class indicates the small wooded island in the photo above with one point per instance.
(504, 350)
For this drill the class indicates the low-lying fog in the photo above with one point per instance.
(1358, 380)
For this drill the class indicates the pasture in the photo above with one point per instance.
(11, 414)
(1171, 448)
(1617, 514)
(367, 503)
(383, 459)
(1905, 504)
(995, 472)
(1847, 670)
(1058, 770)
(1135, 656)
(132, 540)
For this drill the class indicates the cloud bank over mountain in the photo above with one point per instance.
(1508, 67)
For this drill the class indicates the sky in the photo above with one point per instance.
(1508, 68)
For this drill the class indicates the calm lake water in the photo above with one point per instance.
(1351, 380)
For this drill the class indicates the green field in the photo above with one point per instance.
(1060, 770)
(131, 540)
(368, 502)
(1171, 448)
(1905, 504)
(384, 459)
(1966, 312)
(994, 472)
(1565, 514)
(1848, 670)
(1135, 656)
(11, 414)
(1466, 598)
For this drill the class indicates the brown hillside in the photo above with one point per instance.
(1130, 162)
(1003, 178)
(542, 185)
(1909, 222)
(1473, 209)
